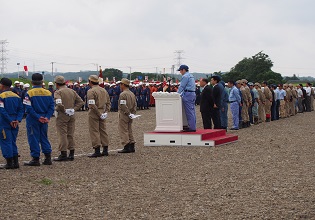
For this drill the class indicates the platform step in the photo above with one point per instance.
(202, 137)
(225, 139)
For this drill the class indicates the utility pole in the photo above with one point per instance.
(179, 57)
(52, 68)
(3, 55)
(18, 64)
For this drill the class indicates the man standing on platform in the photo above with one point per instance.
(187, 90)
(127, 107)
(206, 103)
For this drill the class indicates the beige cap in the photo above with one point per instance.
(60, 80)
(93, 78)
(125, 81)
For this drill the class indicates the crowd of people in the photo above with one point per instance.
(39, 104)
(250, 104)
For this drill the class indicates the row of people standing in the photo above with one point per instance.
(40, 106)
(254, 103)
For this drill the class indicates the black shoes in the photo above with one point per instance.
(47, 160)
(62, 157)
(71, 155)
(132, 147)
(16, 164)
(105, 151)
(8, 165)
(128, 148)
(97, 153)
(33, 162)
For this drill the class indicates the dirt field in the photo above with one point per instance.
(268, 174)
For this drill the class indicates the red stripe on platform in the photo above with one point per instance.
(225, 139)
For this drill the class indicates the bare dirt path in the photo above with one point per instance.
(268, 174)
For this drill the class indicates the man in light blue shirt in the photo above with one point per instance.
(187, 90)
(235, 100)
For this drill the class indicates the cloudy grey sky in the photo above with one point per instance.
(143, 34)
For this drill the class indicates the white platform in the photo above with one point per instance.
(151, 139)
(168, 108)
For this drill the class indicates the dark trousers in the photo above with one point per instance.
(216, 118)
(250, 114)
(206, 120)
(308, 103)
(277, 109)
(273, 110)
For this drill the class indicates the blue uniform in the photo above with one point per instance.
(235, 100)
(224, 105)
(38, 103)
(187, 90)
(11, 109)
(17, 90)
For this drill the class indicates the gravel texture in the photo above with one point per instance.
(268, 174)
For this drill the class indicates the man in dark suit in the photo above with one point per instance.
(206, 103)
(216, 95)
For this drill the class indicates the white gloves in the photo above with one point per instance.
(69, 111)
(104, 116)
(133, 116)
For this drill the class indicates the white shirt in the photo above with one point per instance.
(299, 93)
(308, 91)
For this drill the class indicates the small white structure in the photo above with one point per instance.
(169, 114)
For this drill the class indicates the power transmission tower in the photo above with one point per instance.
(3, 55)
(179, 57)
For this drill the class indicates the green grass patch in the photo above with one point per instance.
(46, 181)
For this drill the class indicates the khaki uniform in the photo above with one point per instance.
(66, 124)
(244, 113)
(268, 103)
(99, 103)
(294, 98)
(126, 105)
(288, 102)
(261, 106)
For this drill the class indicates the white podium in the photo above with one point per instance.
(169, 112)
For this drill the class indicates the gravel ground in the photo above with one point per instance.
(268, 174)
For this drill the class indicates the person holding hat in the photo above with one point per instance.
(127, 107)
(99, 104)
(39, 105)
(187, 91)
(67, 102)
(11, 114)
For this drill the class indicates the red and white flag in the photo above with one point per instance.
(26, 70)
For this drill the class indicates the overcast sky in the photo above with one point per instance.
(144, 34)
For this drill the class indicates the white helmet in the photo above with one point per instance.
(21, 84)
(26, 85)
(50, 84)
(16, 82)
(44, 84)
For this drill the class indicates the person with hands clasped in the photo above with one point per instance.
(99, 104)
(67, 102)
(39, 106)
(127, 106)
(11, 114)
